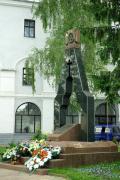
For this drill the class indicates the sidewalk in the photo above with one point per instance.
(17, 175)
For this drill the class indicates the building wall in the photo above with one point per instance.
(6, 114)
(7, 90)
(48, 114)
(14, 48)
(13, 45)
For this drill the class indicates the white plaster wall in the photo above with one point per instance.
(7, 82)
(7, 90)
(13, 45)
(48, 86)
(7, 118)
(47, 125)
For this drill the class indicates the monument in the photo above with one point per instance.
(73, 78)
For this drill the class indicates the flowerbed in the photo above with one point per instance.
(39, 153)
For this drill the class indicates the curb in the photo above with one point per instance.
(22, 168)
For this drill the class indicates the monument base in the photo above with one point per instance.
(75, 154)
(70, 132)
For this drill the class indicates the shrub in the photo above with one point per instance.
(39, 135)
(2, 150)
(12, 144)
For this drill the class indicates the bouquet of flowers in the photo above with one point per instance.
(39, 159)
(11, 154)
(41, 156)
(38, 151)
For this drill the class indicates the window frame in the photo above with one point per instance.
(29, 28)
(105, 118)
(27, 115)
(27, 77)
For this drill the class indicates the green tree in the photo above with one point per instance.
(94, 18)
(109, 39)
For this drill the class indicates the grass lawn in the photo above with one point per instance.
(94, 172)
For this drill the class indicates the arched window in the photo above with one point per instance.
(27, 118)
(105, 115)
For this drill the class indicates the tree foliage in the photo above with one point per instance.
(98, 21)
(108, 11)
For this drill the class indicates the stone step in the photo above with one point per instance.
(73, 160)
(68, 150)
(8, 138)
(77, 159)
(85, 147)
(56, 163)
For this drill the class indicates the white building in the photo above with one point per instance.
(22, 111)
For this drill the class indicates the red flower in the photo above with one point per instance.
(43, 153)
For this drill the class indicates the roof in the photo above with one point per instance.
(19, 3)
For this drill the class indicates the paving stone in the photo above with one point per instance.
(17, 175)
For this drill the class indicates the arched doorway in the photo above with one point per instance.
(27, 118)
(104, 117)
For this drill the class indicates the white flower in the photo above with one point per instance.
(38, 160)
(8, 156)
(30, 168)
(49, 155)
(14, 152)
(28, 161)
(45, 160)
(4, 155)
(36, 166)
(41, 163)
(28, 165)
(32, 162)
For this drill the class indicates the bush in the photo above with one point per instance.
(2, 150)
(12, 144)
(39, 135)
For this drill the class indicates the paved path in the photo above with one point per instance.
(16, 175)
